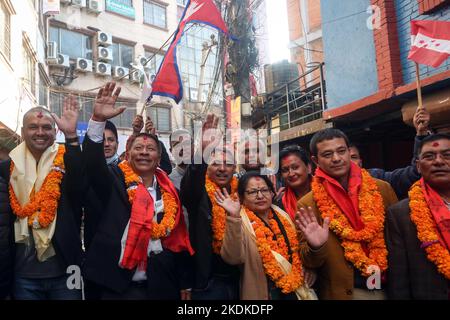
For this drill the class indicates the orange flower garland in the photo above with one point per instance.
(427, 230)
(372, 214)
(162, 229)
(218, 220)
(41, 208)
(266, 244)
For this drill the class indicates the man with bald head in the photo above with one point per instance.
(43, 180)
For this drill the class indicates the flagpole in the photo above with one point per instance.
(419, 88)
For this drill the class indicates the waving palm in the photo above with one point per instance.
(69, 117)
(224, 200)
(315, 234)
(105, 101)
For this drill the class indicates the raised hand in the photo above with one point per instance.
(105, 101)
(138, 124)
(314, 234)
(280, 193)
(149, 127)
(209, 130)
(233, 208)
(421, 121)
(69, 117)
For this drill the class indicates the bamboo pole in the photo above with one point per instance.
(419, 88)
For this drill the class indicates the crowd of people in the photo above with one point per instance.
(138, 228)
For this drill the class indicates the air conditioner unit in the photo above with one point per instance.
(120, 72)
(65, 1)
(135, 76)
(104, 39)
(142, 60)
(151, 77)
(103, 69)
(62, 60)
(105, 54)
(79, 3)
(52, 52)
(83, 65)
(94, 6)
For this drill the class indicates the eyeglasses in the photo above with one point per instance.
(266, 193)
(431, 156)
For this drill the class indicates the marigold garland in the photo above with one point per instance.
(167, 223)
(218, 220)
(42, 205)
(372, 212)
(265, 242)
(427, 230)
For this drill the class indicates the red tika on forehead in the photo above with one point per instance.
(436, 144)
(145, 138)
(40, 115)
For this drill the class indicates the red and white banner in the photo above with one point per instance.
(430, 42)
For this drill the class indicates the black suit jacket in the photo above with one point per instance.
(196, 200)
(6, 234)
(66, 240)
(410, 274)
(93, 206)
(166, 271)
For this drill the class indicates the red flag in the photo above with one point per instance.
(168, 81)
(430, 42)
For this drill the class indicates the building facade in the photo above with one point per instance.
(23, 72)
(305, 34)
(368, 86)
(371, 85)
(101, 41)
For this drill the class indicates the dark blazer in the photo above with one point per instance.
(6, 234)
(167, 269)
(195, 198)
(66, 240)
(410, 274)
(93, 206)
(403, 178)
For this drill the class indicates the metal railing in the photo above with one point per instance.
(300, 101)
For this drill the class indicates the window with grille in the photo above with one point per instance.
(5, 30)
(125, 119)
(155, 14)
(86, 105)
(73, 44)
(123, 55)
(160, 117)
